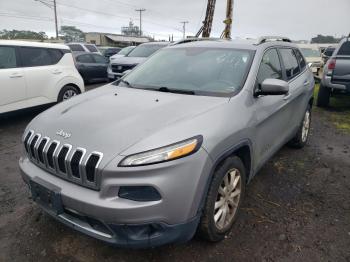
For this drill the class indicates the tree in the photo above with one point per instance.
(22, 34)
(321, 39)
(72, 34)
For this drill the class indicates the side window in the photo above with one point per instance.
(7, 57)
(290, 62)
(91, 48)
(35, 56)
(76, 48)
(100, 59)
(270, 66)
(56, 55)
(344, 49)
(85, 59)
(301, 59)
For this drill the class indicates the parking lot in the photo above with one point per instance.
(297, 208)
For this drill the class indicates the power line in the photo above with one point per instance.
(114, 15)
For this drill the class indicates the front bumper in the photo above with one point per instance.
(124, 222)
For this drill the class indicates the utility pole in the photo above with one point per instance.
(51, 5)
(140, 10)
(184, 28)
(55, 10)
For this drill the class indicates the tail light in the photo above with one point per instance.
(331, 64)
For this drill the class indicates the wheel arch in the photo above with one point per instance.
(243, 150)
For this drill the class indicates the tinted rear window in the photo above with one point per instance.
(290, 62)
(85, 59)
(56, 55)
(344, 49)
(7, 57)
(301, 59)
(76, 48)
(91, 48)
(32, 56)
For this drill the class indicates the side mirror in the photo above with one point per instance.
(273, 87)
(126, 72)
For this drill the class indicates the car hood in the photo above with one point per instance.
(111, 119)
(126, 60)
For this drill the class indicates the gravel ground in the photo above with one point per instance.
(297, 208)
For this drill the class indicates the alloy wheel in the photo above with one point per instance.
(227, 200)
(69, 94)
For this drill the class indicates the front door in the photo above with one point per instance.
(271, 113)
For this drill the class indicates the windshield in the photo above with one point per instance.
(126, 50)
(309, 52)
(203, 71)
(144, 50)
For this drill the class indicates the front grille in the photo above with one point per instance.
(73, 164)
(121, 68)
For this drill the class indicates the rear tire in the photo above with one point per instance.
(323, 96)
(301, 137)
(225, 196)
(67, 92)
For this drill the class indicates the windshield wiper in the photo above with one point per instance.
(176, 91)
(127, 83)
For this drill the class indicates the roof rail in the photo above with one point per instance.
(196, 39)
(265, 39)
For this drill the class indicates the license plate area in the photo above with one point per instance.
(46, 195)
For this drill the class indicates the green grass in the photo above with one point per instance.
(339, 111)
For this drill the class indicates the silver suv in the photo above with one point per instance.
(169, 149)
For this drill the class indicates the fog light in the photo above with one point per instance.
(139, 193)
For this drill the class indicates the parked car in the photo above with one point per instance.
(33, 74)
(92, 67)
(313, 57)
(336, 74)
(108, 51)
(172, 144)
(138, 55)
(327, 53)
(83, 47)
(124, 52)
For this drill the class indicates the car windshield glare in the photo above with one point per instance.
(144, 50)
(203, 71)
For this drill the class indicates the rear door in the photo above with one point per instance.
(41, 73)
(12, 83)
(86, 66)
(300, 79)
(101, 65)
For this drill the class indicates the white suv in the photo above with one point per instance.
(33, 74)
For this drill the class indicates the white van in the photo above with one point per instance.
(33, 74)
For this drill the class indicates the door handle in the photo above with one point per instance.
(56, 72)
(306, 83)
(16, 75)
(286, 97)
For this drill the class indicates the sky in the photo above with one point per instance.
(296, 19)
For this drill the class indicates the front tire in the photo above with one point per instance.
(323, 96)
(67, 92)
(223, 201)
(301, 137)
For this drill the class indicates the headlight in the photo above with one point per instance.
(163, 154)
